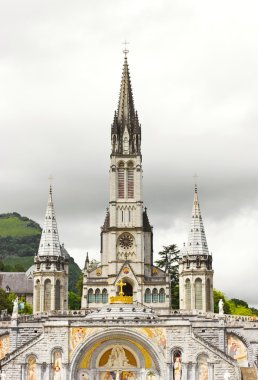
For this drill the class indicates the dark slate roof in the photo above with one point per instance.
(146, 224)
(18, 282)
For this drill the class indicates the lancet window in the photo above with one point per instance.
(198, 294)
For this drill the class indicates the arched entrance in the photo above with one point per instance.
(118, 356)
(128, 289)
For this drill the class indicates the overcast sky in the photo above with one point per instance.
(194, 70)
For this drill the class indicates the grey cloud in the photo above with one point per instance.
(194, 75)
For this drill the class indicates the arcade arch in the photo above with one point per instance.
(120, 355)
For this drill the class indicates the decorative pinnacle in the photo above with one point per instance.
(125, 51)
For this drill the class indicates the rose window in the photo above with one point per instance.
(126, 241)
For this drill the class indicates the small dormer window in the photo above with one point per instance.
(7, 289)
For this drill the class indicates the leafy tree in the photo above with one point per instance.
(27, 309)
(238, 302)
(254, 311)
(18, 268)
(79, 285)
(169, 261)
(217, 294)
(74, 301)
(5, 302)
(1, 266)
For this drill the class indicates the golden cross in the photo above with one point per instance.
(121, 284)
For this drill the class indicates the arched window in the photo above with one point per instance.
(37, 296)
(121, 180)
(130, 180)
(31, 368)
(91, 296)
(57, 295)
(155, 296)
(104, 296)
(98, 296)
(188, 294)
(203, 371)
(147, 296)
(57, 364)
(47, 295)
(208, 294)
(198, 294)
(162, 295)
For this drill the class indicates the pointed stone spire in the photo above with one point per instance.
(126, 130)
(49, 242)
(87, 261)
(197, 244)
(125, 110)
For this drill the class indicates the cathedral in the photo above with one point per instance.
(126, 328)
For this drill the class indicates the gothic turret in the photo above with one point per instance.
(126, 130)
(51, 267)
(195, 267)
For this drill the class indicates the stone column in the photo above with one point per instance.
(194, 371)
(170, 371)
(184, 371)
(211, 371)
(66, 371)
(23, 371)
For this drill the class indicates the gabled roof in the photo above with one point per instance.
(17, 282)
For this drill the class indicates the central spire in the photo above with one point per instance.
(126, 130)
(125, 111)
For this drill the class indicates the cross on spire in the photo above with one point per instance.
(125, 51)
(195, 177)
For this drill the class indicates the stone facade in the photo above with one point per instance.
(126, 329)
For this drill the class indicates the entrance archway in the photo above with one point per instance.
(116, 355)
(128, 290)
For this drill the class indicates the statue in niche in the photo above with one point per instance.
(177, 359)
(32, 369)
(57, 366)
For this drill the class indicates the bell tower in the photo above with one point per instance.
(126, 235)
(195, 266)
(50, 275)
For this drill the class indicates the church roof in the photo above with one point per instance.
(49, 242)
(197, 243)
(17, 282)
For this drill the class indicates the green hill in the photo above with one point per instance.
(19, 241)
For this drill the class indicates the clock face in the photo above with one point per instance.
(126, 241)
